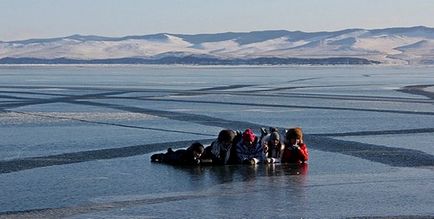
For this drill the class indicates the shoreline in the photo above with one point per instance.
(217, 66)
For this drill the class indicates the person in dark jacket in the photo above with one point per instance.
(189, 156)
(273, 147)
(295, 149)
(222, 151)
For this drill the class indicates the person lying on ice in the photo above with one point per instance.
(222, 151)
(295, 149)
(248, 149)
(189, 156)
(271, 145)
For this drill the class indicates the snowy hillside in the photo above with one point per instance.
(413, 45)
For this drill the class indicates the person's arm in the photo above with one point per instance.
(284, 157)
(206, 157)
(303, 152)
(278, 159)
(241, 153)
(259, 155)
(186, 159)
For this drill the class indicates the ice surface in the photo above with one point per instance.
(423, 142)
(75, 141)
(132, 186)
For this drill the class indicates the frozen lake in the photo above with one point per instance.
(76, 141)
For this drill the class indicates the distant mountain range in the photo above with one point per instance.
(410, 45)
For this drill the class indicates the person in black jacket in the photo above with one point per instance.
(189, 156)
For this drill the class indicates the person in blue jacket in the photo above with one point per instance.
(249, 151)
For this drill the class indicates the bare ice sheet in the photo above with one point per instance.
(75, 141)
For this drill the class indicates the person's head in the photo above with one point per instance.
(274, 138)
(197, 149)
(273, 129)
(294, 135)
(226, 137)
(248, 137)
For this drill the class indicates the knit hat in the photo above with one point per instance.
(249, 136)
(274, 136)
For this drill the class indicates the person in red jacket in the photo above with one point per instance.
(295, 149)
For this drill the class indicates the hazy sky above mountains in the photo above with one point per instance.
(24, 19)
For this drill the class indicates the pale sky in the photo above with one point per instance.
(24, 19)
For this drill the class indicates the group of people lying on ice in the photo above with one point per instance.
(232, 147)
